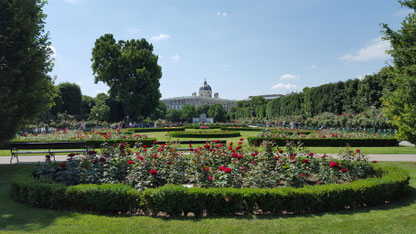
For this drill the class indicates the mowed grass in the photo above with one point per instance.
(164, 136)
(396, 217)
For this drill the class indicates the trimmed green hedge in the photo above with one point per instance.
(335, 142)
(213, 134)
(306, 132)
(242, 129)
(96, 143)
(173, 129)
(176, 200)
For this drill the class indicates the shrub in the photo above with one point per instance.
(205, 134)
(335, 142)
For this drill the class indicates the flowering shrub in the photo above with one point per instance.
(320, 134)
(66, 135)
(211, 165)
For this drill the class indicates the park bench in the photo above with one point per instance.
(189, 142)
(50, 148)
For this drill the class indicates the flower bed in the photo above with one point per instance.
(333, 142)
(205, 134)
(177, 200)
(168, 129)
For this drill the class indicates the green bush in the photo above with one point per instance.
(242, 129)
(280, 131)
(94, 143)
(334, 142)
(177, 200)
(156, 129)
(205, 134)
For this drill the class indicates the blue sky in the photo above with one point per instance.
(240, 47)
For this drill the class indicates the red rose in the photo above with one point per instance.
(63, 164)
(357, 151)
(241, 139)
(374, 161)
(130, 162)
(102, 160)
(210, 178)
(217, 141)
(71, 155)
(240, 142)
(303, 175)
(153, 172)
(254, 162)
(280, 151)
(144, 146)
(310, 154)
(140, 157)
(207, 146)
(333, 164)
(206, 168)
(238, 147)
(122, 145)
(155, 156)
(306, 161)
(344, 170)
(239, 156)
(227, 170)
(231, 143)
(234, 155)
(47, 156)
(155, 142)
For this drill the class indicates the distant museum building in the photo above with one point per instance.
(204, 98)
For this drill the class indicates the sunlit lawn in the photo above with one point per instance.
(397, 217)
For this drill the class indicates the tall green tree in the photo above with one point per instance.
(71, 97)
(131, 71)
(25, 60)
(86, 104)
(400, 103)
(217, 112)
(173, 115)
(159, 112)
(188, 112)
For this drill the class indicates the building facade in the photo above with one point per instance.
(204, 98)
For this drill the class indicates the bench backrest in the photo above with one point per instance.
(48, 145)
(190, 142)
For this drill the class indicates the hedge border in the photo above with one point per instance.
(334, 142)
(176, 200)
(213, 134)
(94, 143)
(173, 129)
(242, 129)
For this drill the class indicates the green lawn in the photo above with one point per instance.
(397, 217)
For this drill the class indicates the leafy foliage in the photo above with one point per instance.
(25, 60)
(130, 69)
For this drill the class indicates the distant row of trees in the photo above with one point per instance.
(352, 96)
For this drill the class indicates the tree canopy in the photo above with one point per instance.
(25, 59)
(400, 102)
(131, 71)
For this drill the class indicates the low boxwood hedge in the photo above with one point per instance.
(205, 134)
(176, 200)
(335, 142)
(242, 129)
(173, 129)
(279, 131)
(96, 143)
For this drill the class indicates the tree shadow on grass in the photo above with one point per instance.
(21, 217)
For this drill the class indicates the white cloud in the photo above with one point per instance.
(160, 37)
(403, 13)
(73, 1)
(362, 76)
(376, 49)
(313, 66)
(53, 55)
(284, 86)
(175, 58)
(132, 30)
(222, 13)
(289, 77)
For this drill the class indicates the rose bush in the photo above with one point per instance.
(211, 165)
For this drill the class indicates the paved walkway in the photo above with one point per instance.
(60, 158)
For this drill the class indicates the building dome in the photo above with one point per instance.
(205, 86)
